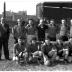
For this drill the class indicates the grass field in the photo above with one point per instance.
(13, 66)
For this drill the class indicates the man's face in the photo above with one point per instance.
(30, 22)
(63, 21)
(52, 22)
(47, 42)
(20, 41)
(41, 21)
(19, 22)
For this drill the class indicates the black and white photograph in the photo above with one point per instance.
(35, 35)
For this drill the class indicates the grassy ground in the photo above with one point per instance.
(13, 66)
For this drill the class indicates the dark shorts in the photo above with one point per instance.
(64, 38)
(52, 38)
(60, 54)
(41, 38)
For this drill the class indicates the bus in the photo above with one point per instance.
(54, 10)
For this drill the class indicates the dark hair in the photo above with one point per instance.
(23, 23)
(30, 19)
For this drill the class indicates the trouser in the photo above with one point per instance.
(51, 38)
(37, 55)
(22, 57)
(29, 38)
(22, 54)
(64, 38)
(41, 38)
(63, 54)
(4, 43)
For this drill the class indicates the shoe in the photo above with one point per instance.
(8, 59)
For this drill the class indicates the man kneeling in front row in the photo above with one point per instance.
(34, 54)
(20, 50)
(50, 52)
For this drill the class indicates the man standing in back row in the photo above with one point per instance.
(19, 30)
(31, 31)
(52, 30)
(41, 28)
(63, 30)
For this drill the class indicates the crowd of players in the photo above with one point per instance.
(44, 43)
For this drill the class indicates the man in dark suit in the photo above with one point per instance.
(5, 32)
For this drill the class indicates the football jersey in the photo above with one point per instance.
(19, 48)
(31, 29)
(19, 31)
(59, 46)
(47, 48)
(32, 48)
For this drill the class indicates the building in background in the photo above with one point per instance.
(12, 16)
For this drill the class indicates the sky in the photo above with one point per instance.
(23, 5)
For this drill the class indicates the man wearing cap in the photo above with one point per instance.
(4, 35)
